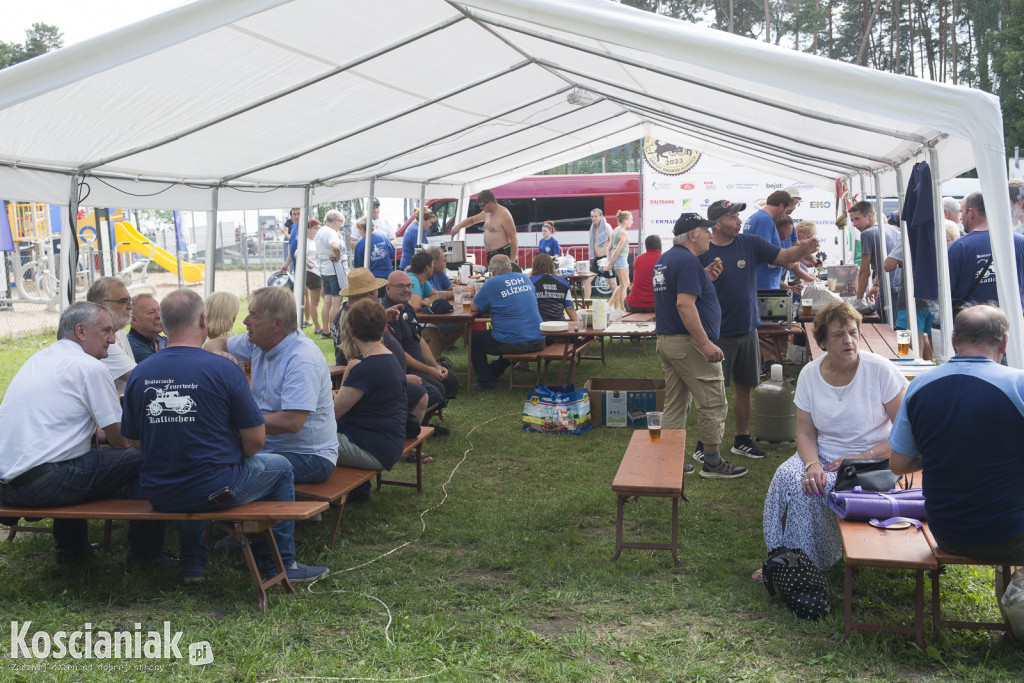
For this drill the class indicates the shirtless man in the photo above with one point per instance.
(499, 228)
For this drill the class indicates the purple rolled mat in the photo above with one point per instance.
(868, 504)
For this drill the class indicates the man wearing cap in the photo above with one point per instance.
(382, 225)
(499, 228)
(762, 224)
(738, 256)
(290, 382)
(687, 321)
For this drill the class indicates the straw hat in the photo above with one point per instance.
(361, 281)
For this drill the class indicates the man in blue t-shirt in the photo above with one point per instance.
(193, 417)
(293, 240)
(960, 424)
(509, 298)
(687, 321)
(382, 252)
(740, 257)
(291, 384)
(145, 334)
(969, 255)
(762, 224)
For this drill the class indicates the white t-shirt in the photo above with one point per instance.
(311, 263)
(53, 406)
(858, 421)
(325, 237)
(120, 360)
(383, 226)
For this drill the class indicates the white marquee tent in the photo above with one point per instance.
(232, 104)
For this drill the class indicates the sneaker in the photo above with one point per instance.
(301, 572)
(484, 387)
(439, 430)
(698, 454)
(745, 446)
(724, 470)
(191, 576)
(687, 468)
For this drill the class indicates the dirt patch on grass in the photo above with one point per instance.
(555, 626)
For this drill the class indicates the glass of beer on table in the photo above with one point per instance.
(654, 425)
(807, 306)
(903, 342)
(467, 298)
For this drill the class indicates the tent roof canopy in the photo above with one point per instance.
(262, 99)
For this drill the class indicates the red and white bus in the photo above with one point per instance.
(567, 200)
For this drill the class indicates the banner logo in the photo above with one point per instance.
(666, 158)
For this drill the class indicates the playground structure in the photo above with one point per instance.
(33, 271)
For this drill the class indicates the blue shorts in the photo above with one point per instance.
(924, 320)
(621, 263)
(331, 286)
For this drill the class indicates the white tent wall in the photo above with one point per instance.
(261, 100)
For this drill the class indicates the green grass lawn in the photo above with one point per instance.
(501, 572)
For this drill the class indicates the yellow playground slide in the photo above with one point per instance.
(130, 239)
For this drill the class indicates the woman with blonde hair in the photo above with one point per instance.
(412, 237)
(618, 259)
(221, 311)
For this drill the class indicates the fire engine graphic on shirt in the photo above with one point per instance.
(166, 400)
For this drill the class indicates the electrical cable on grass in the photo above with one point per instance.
(423, 529)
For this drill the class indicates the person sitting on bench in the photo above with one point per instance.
(192, 415)
(371, 405)
(959, 426)
(291, 384)
(47, 421)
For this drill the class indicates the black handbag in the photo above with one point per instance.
(869, 475)
(801, 585)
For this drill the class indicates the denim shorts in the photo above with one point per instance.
(331, 286)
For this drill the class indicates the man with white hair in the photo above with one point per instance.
(951, 209)
(145, 335)
(112, 293)
(47, 420)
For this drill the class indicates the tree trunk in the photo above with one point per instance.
(814, 45)
(952, 33)
(867, 32)
(732, 16)
(767, 21)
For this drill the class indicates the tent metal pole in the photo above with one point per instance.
(211, 246)
(908, 268)
(69, 231)
(243, 244)
(272, 97)
(942, 258)
(883, 279)
(358, 131)
(517, 131)
(693, 81)
(444, 136)
(540, 143)
(299, 284)
(421, 238)
(369, 226)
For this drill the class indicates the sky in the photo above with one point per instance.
(78, 19)
(82, 19)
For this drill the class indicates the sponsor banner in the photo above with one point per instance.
(708, 179)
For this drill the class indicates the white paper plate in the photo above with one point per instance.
(554, 326)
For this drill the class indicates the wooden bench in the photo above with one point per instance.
(942, 558)
(651, 469)
(868, 546)
(251, 518)
(413, 447)
(334, 491)
(565, 352)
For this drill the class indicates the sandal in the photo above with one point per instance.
(326, 335)
(411, 457)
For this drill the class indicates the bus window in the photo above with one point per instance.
(568, 213)
(444, 210)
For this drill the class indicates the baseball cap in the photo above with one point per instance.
(723, 207)
(792, 192)
(376, 202)
(690, 221)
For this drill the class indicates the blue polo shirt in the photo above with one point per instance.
(964, 420)
(512, 303)
(678, 271)
(382, 255)
(736, 286)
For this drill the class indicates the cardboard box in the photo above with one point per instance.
(611, 400)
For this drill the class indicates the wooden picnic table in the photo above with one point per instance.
(584, 335)
(576, 283)
(464, 319)
(878, 338)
